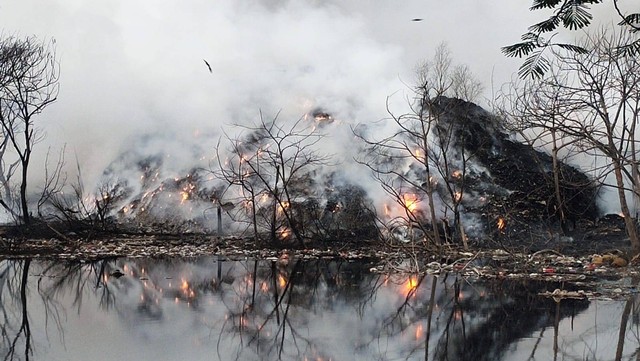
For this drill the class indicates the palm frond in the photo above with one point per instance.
(544, 4)
(631, 20)
(535, 66)
(576, 16)
(572, 47)
(520, 49)
(546, 25)
(631, 49)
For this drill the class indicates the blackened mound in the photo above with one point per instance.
(518, 184)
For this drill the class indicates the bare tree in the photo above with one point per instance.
(422, 151)
(533, 110)
(593, 100)
(272, 167)
(29, 76)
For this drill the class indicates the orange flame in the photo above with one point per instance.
(410, 201)
(282, 207)
(410, 285)
(502, 224)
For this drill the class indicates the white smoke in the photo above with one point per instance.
(134, 79)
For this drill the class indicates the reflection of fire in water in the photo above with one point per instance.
(186, 289)
(419, 331)
(457, 315)
(502, 224)
(284, 233)
(282, 281)
(410, 201)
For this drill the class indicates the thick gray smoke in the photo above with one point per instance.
(135, 78)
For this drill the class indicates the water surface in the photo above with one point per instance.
(211, 309)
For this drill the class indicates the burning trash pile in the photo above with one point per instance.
(491, 189)
(229, 197)
(512, 183)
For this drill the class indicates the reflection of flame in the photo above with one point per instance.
(410, 201)
(457, 174)
(186, 289)
(457, 315)
(284, 233)
(419, 331)
(501, 224)
(387, 211)
(282, 281)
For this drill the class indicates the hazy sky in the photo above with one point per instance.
(131, 67)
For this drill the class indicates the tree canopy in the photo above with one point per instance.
(568, 14)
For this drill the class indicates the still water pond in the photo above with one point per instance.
(209, 309)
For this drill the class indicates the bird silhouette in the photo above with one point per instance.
(416, 19)
(208, 66)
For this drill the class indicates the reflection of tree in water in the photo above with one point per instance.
(452, 319)
(15, 328)
(77, 278)
(272, 314)
(483, 328)
(286, 309)
(53, 279)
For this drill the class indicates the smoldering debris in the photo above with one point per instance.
(512, 183)
(505, 192)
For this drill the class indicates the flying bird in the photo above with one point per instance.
(416, 19)
(208, 66)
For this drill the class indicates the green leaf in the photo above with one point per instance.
(576, 16)
(520, 49)
(544, 4)
(535, 66)
(631, 19)
(545, 26)
(529, 36)
(574, 48)
(631, 49)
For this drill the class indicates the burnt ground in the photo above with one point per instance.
(53, 241)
